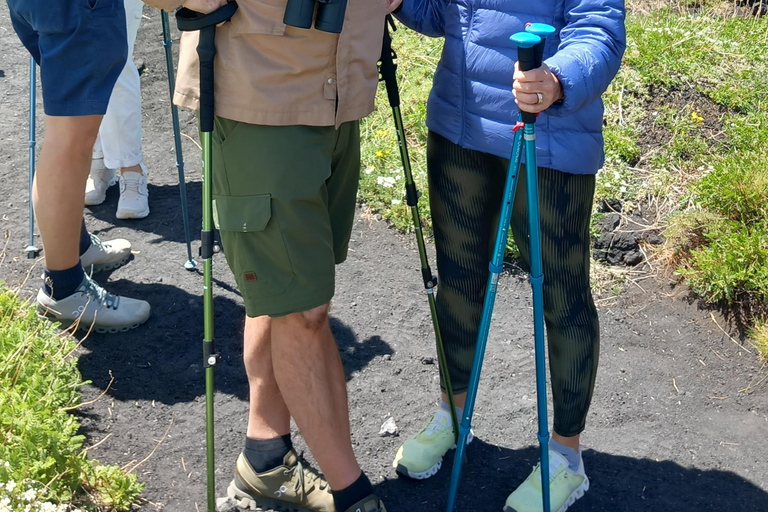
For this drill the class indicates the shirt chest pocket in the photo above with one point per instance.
(260, 17)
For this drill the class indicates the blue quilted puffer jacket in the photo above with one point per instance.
(471, 102)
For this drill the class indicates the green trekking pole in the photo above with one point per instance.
(388, 70)
(206, 23)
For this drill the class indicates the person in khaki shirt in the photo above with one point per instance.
(286, 164)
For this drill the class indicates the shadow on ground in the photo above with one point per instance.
(163, 360)
(618, 484)
(165, 220)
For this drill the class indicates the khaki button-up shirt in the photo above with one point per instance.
(270, 74)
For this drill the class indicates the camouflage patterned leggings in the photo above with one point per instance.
(466, 189)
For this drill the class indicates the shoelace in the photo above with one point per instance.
(96, 241)
(553, 471)
(132, 185)
(306, 475)
(101, 295)
(435, 426)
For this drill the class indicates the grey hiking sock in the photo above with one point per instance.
(572, 456)
(266, 454)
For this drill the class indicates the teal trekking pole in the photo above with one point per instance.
(388, 71)
(530, 54)
(168, 45)
(32, 250)
(206, 23)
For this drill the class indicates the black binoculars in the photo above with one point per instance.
(330, 14)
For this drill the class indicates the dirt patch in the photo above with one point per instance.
(679, 102)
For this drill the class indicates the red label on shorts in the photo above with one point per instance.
(250, 276)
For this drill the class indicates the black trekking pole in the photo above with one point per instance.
(388, 70)
(206, 23)
(168, 45)
(32, 250)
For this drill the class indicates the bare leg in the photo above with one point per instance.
(133, 168)
(268, 417)
(59, 189)
(458, 400)
(310, 375)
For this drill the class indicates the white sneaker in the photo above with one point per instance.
(91, 307)
(99, 180)
(134, 196)
(102, 256)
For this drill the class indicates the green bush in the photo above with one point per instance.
(737, 188)
(732, 264)
(43, 466)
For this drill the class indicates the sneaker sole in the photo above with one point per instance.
(403, 471)
(89, 202)
(66, 324)
(132, 215)
(575, 495)
(246, 501)
(96, 268)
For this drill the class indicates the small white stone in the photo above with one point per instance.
(389, 428)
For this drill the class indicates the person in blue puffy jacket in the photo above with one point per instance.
(471, 109)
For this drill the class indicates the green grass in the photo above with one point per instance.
(43, 466)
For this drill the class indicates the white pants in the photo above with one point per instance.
(119, 140)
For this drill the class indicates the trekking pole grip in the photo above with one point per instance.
(526, 57)
(388, 66)
(189, 20)
(206, 51)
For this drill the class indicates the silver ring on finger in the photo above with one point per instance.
(540, 97)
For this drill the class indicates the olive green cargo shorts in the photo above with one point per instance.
(284, 201)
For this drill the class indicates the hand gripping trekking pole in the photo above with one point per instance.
(32, 250)
(168, 45)
(189, 21)
(388, 70)
(530, 51)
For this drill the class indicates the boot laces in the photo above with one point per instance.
(307, 475)
(435, 426)
(101, 295)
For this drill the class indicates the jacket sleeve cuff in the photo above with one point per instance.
(574, 82)
(166, 5)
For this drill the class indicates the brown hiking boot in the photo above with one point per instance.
(292, 487)
(370, 504)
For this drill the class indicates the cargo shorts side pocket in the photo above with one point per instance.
(253, 245)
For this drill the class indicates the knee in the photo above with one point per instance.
(72, 134)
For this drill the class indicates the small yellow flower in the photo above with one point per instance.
(379, 154)
(381, 133)
(696, 117)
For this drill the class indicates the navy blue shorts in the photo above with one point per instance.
(81, 47)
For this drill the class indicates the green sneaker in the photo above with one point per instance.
(566, 486)
(370, 504)
(291, 487)
(421, 456)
